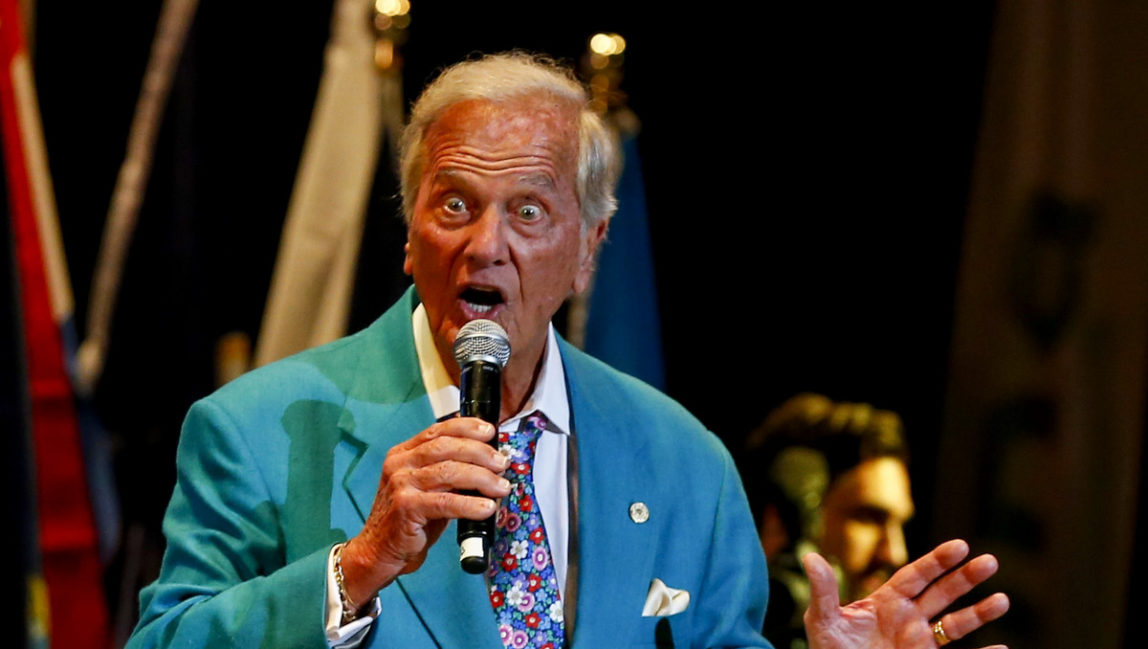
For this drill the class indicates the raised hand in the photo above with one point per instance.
(902, 612)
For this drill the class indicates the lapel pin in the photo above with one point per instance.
(639, 513)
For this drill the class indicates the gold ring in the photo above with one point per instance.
(939, 634)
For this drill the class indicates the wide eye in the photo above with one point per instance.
(529, 213)
(454, 205)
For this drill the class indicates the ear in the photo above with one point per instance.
(588, 254)
(408, 263)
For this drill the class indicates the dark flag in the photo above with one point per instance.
(1045, 416)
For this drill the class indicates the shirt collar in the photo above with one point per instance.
(549, 395)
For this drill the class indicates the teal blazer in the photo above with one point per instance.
(279, 465)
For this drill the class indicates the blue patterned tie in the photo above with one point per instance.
(523, 584)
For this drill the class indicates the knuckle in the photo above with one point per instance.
(983, 611)
(391, 465)
(445, 473)
(404, 497)
(434, 431)
(420, 455)
(397, 479)
(439, 446)
(442, 502)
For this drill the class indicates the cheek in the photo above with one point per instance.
(549, 296)
(860, 541)
(549, 275)
(429, 251)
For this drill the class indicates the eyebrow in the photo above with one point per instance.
(879, 512)
(538, 179)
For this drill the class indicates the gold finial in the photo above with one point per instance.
(602, 67)
(390, 19)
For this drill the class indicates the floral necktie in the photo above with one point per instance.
(523, 584)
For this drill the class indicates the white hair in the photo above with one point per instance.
(506, 76)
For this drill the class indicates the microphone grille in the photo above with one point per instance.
(482, 340)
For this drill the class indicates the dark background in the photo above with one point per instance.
(807, 175)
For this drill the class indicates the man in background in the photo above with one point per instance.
(827, 477)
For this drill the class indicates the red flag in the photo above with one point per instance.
(67, 531)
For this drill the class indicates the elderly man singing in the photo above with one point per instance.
(317, 498)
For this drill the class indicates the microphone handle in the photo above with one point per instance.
(480, 390)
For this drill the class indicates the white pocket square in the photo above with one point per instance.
(662, 600)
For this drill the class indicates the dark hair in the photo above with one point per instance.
(805, 444)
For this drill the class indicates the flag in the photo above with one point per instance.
(310, 298)
(171, 33)
(67, 533)
(23, 578)
(623, 327)
(1045, 413)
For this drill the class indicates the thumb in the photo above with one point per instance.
(823, 600)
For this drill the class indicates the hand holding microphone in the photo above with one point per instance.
(450, 471)
(482, 349)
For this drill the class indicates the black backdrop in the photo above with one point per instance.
(807, 173)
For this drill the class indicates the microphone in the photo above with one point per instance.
(481, 349)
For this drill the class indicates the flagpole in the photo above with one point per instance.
(359, 100)
(131, 184)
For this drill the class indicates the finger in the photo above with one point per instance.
(418, 507)
(912, 579)
(440, 443)
(947, 589)
(823, 600)
(466, 427)
(457, 449)
(451, 475)
(959, 624)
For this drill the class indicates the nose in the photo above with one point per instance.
(487, 243)
(892, 550)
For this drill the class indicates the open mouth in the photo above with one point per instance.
(481, 300)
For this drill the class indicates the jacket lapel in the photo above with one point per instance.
(454, 605)
(386, 401)
(613, 562)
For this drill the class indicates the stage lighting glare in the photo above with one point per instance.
(392, 7)
(601, 44)
(607, 44)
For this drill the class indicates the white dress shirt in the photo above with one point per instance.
(550, 462)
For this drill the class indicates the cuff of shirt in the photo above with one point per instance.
(350, 635)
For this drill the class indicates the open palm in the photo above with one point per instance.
(900, 614)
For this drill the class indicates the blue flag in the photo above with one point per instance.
(623, 327)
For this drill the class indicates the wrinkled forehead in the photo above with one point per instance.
(534, 129)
